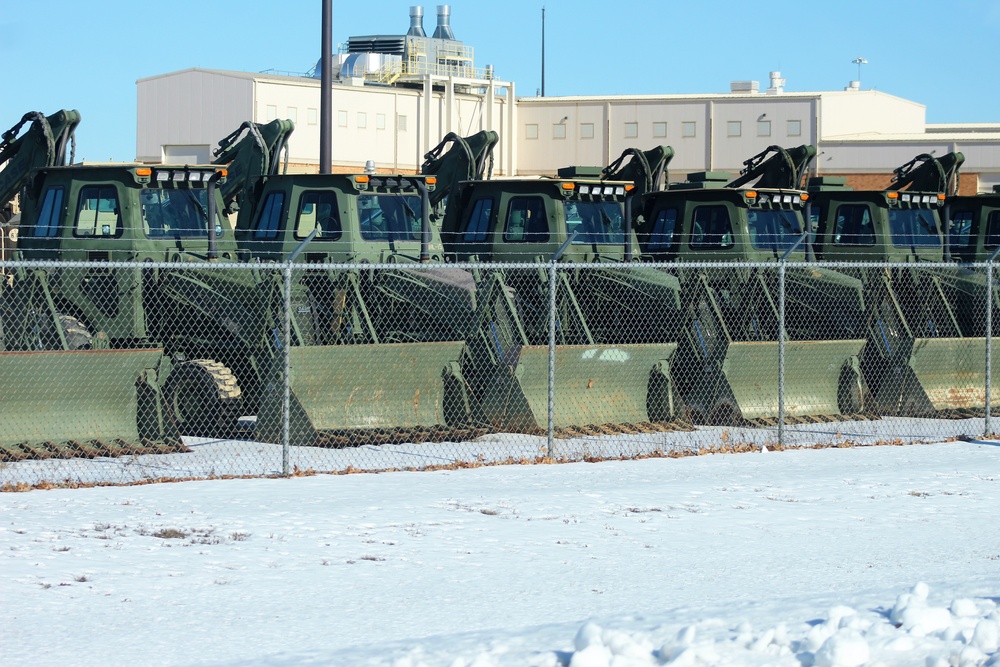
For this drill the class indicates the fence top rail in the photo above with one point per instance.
(415, 266)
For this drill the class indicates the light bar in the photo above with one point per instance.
(620, 190)
(178, 176)
(162, 176)
(584, 190)
(906, 198)
(195, 176)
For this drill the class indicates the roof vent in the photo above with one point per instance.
(416, 23)
(744, 87)
(853, 85)
(777, 84)
(443, 29)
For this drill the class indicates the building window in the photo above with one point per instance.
(380, 121)
(293, 114)
(271, 112)
(586, 130)
(401, 124)
(795, 128)
(631, 130)
(312, 116)
(734, 128)
(531, 131)
(763, 128)
(559, 131)
(659, 129)
(362, 120)
(342, 118)
(689, 128)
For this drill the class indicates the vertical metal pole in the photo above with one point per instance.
(286, 343)
(781, 352)
(326, 94)
(552, 358)
(987, 428)
(543, 50)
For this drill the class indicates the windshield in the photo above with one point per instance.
(176, 213)
(775, 230)
(914, 227)
(390, 217)
(596, 222)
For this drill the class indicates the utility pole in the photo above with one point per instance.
(326, 94)
(543, 50)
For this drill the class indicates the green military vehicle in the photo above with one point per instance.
(612, 346)
(72, 392)
(386, 319)
(924, 355)
(726, 367)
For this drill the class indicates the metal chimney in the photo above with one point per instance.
(416, 22)
(443, 29)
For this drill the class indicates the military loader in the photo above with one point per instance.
(726, 367)
(368, 345)
(613, 350)
(925, 353)
(68, 392)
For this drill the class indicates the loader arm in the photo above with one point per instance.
(776, 167)
(252, 151)
(43, 144)
(647, 170)
(926, 173)
(467, 160)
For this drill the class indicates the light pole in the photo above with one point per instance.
(859, 61)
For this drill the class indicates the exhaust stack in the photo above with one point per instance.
(443, 30)
(416, 22)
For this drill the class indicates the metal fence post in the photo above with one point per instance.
(286, 341)
(781, 352)
(552, 359)
(987, 428)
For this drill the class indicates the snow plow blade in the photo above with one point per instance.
(595, 385)
(822, 378)
(86, 403)
(941, 375)
(338, 388)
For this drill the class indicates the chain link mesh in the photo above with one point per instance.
(121, 372)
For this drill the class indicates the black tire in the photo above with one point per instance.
(204, 398)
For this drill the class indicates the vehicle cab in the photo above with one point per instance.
(526, 219)
(702, 220)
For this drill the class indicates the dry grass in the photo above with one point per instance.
(724, 448)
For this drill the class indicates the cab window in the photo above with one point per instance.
(854, 225)
(661, 239)
(318, 210)
(180, 213)
(97, 213)
(267, 223)
(914, 227)
(51, 211)
(711, 228)
(992, 238)
(960, 231)
(479, 221)
(390, 217)
(600, 222)
(526, 221)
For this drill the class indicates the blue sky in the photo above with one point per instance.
(88, 54)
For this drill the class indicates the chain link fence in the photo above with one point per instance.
(122, 372)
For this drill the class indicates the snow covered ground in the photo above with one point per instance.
(866, 556)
